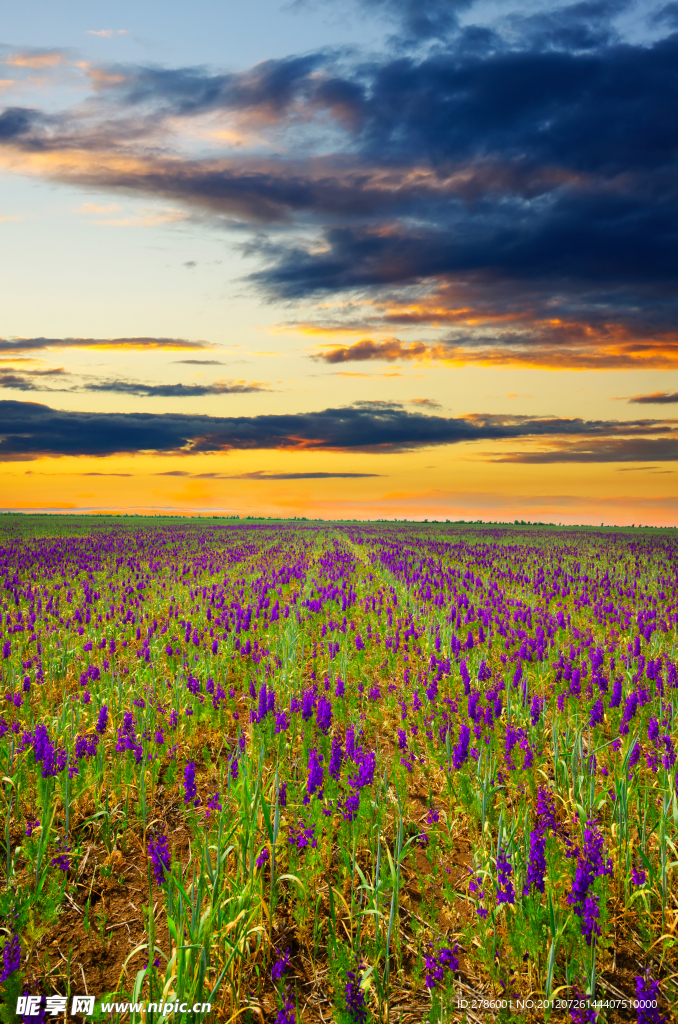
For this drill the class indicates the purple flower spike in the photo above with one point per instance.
(505, 890)
(355, 998)
(647, 994)
(190, 789)
(159, 856)
(280, 966)
(11, 957)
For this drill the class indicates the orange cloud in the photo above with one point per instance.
(43, 59)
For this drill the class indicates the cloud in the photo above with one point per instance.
(107, 33)
(604, 450)
(127, 387)
(381, 350)
(8, 345)
(427, 403)
(534, 342)
(31, 380)
(421, 20)
(98, 208)
(656, 398)
(16, 121)
(29, 430)
(199, 362)
(39, 380)
(35, 59)
(262, 475)
(506, 190)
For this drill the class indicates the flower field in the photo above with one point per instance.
(353, 772)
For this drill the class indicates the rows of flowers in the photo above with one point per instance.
(427, 760)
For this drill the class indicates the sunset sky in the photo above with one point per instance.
(347, 259)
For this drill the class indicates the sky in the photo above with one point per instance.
(351, 259)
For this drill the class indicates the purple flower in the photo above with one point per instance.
(647, 994)
(159, 856)
(669, 758)
(301, 837)
(615, 699)
(366, 768)
(590, 866)
(315, 772)
(190, 789)
(11, 957)
(630, 708)
(639, 875)
(546, 811)
(505, 890)
(336, 758)
(282, 723)
(323, 715)
(355, 999)
(475, 886)
(597, 713)
(535, 710)
(280, 966)
(460, 752)
(653, 730)
(262, 858)
(288, 1014)
(62, 859)
(351, 806)
(213, 803)
(536, 862)
(582, 1014)
(282, 795)
(437, 963)
(307, 705)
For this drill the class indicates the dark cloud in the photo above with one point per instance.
(9, 345)
(530, 165)
(28, 430)
(666, 16)
(656, 398)
(421, 19)
(425, 403)
(367, 349)
(270, 86)
(199, 362)
(127, 387)
(17, 121)
(634, 449)
(38, 380)
(262, 475)
(30, 380)
(574, 27)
